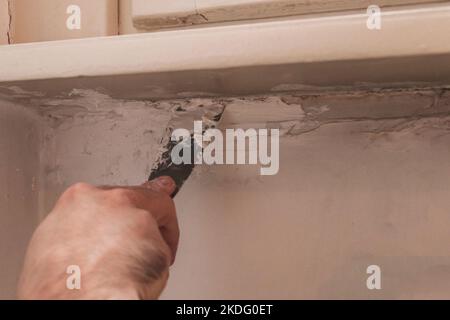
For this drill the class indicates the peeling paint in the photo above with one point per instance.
(5, 22)
(222, 11)
(10, 15)
(150, 24)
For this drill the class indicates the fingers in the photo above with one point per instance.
(162, 184)
(154, 197)
(164, 212)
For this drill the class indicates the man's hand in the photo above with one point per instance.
(123, 239)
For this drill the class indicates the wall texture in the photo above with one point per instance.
(4, 22)
(363, 180)
(348, 195)
(125, 18)
(156, 14)
(45, 20)
(19, 189)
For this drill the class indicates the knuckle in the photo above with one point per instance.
(78, 189)
(120, 196)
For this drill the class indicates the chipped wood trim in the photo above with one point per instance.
(154, 15)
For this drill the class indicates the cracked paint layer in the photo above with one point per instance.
(5, 22)
(152, 16)
(117, 140)
(10, 24)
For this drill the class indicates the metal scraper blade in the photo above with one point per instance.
(184, 118)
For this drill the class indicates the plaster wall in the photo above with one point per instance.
(348, 195)
(363, 180)
(20, 143)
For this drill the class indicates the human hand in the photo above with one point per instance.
(122, 238)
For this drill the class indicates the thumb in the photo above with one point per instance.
(163, 184)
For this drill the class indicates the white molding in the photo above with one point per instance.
(147, 14)
(293, 44)
(159, 14)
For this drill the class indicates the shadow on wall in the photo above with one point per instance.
(20, 133)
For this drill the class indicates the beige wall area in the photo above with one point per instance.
(4, 22)
(24, 21)
(19, 178)
(27, 21)
(349, 194)
(362, 181)
(45, 20)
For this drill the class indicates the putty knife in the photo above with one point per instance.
(184, 118)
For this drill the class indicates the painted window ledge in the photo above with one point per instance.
(288, 54)
(158, 14)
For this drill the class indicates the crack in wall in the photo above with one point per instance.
(397, 124)
(10, 16)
